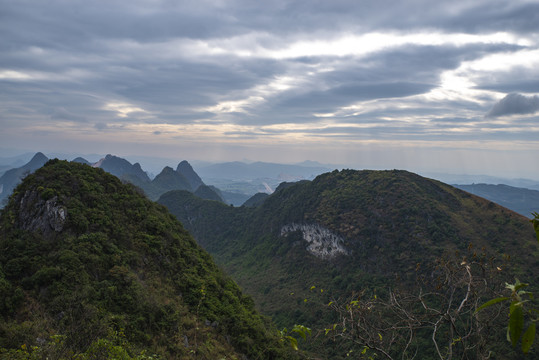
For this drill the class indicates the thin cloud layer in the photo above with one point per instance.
(236, 75)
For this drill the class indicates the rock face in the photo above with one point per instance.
(323, 243)
(40, 215)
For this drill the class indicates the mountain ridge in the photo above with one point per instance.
(86, 258)
(350, 230)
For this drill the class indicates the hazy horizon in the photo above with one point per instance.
(450, 86)
(154, 165)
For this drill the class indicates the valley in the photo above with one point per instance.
(304, 253)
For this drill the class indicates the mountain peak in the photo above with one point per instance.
(189, 173)
(81, 160)
(122, 168)
(39, 156)
(131, 260)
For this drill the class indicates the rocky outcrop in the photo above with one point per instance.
(323, 243)
(37, 214)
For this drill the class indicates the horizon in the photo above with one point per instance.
(154, 165)
(364, 85)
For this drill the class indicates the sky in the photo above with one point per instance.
(420, 85)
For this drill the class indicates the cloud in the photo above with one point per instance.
(514, 104)
(101, 126)
(61, 113)
(360, 70)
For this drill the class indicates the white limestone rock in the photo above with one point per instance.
(322, 242)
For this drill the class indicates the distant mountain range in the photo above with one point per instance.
(482, 179)
(523, 201)
(183, 178)
(241, 171)
(236, 182)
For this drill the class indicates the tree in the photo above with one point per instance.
(523, 312)
(439, 323)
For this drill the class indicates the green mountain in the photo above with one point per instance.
(166, 180)
(349, 231)
(81, 160)
(256, 200)
(208, 193)
(91, 269)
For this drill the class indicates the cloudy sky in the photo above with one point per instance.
(421, 85)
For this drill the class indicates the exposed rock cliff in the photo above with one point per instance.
(323, 243)
(41, 215)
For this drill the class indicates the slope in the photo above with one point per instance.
(521, 200)
(351, 230)
(187, 171)
(12, 177)
(89, 266)
(122, 168)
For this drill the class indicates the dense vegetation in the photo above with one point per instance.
(397, 228)
(90, 268)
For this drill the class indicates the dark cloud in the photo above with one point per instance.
(515, 104)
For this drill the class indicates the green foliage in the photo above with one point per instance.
(520, 307)
(394, 223)
(521, 304)
(119, 262)
(299, 330)
(535, 222)
(114, 347)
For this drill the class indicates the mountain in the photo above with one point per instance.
(208, 193)
(12, 177)
(350, 232)
(520, 200)
(122, 168)
(234, 198)
(192, 177)
(166, 180)
(91, 269)
(482, 179)
(183, 178)
(238, 181)
(81, 160)
(256, 200)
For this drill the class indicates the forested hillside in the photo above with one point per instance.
(89, 268)
(347, 233)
